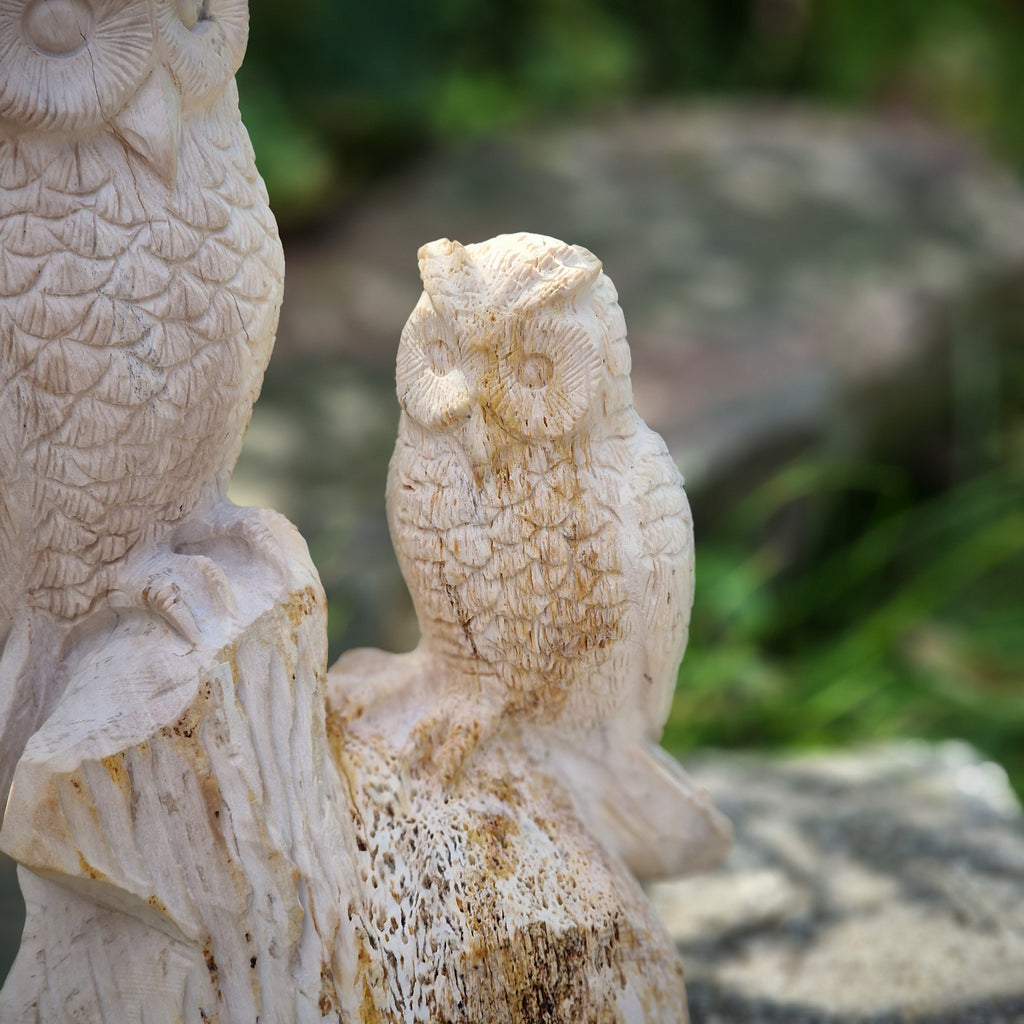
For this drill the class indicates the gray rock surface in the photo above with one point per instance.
(881, 885)
(767, 260)
(788, 278)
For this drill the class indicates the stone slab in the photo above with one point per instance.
(882, 885)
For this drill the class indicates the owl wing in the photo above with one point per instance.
(665, 572)
(635, 796)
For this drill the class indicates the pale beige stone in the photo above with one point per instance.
(505, 775)
(139, 294)
(545, 537)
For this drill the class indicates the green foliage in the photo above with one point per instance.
(337, 92)
(898, 613)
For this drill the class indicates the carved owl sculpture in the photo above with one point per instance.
(140, 283)
(545, 536)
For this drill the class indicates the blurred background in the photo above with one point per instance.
(814, 214)
(812, 210)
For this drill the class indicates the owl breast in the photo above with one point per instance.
(516, 575)
(135, 325)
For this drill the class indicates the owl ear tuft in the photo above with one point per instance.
(450, 277)
(203, 55)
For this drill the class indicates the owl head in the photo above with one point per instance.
(522, 334)
(130, 67)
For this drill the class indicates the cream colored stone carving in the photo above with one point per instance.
(140, 284)
(163, 652)
(205, 831)
(505, 775)
(174, 818)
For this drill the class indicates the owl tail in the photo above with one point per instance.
(30, 685)
(646, 809)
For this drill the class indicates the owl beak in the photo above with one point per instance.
(151, 125)
(474, 440)
(459, 411)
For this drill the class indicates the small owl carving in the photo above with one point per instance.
(140, 283)
(545, 536)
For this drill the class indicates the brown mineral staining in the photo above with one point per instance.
(212, 799)
(329, 991)
(501, 787)
(211, 965)
(88, 870)
(302, 604)
(188, 724)
(492, 835)
(547, 975)
(115, 766)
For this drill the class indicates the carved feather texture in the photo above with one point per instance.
(545, 536)
(135, 318)
(546, 539)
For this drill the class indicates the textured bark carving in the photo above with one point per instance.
(173, 819)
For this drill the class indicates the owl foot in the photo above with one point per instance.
(238, 537)
(191, 595)
(446, 740)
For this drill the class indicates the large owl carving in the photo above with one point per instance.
(140, 282)
(545, 536)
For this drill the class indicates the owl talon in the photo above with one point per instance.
(190, 596)
(165, 599)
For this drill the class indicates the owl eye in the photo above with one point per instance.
(58, 28)
(548, 375)
(69, 64)
(535, 371)
(432, 373)
(205, 42)
(439, 356)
